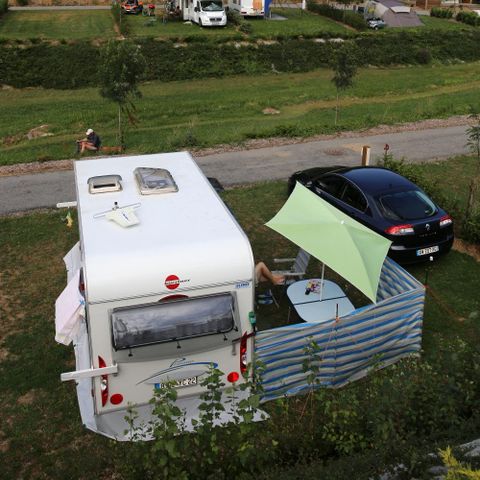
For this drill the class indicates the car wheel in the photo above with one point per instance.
(375, 28)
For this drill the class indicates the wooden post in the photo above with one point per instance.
(365, 155)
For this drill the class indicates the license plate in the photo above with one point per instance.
(184, 382)
(426, 251)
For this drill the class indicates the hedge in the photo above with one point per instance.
(3, 7)
(345, 16)
(469, 18)
(75, 65)
(441, 12)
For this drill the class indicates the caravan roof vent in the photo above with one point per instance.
(154, 180)
(104, 183)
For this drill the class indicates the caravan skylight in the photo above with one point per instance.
(104, 183)
(154, 180)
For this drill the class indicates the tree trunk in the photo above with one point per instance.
(471, 200)
(336, 110)
(120, 129)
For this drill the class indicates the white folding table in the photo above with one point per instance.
(321, 305)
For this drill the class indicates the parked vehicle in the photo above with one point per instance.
(248, 8)
(132, 6)
(165, 274)
(387, 203)
(376, 23)
(207, 13)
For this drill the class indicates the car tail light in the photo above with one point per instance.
(400, 229)
(103, 382)
(243, 353)
(446, 220)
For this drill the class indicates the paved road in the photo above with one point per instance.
(26, 192)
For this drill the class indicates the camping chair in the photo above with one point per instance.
(298, 268)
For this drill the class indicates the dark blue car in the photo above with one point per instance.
(387, 203)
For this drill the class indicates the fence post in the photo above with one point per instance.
(365, 155)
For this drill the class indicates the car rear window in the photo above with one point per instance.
(163, 322)
(409, 205)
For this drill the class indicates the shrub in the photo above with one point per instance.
(22, 3)
(3, 7)
(441, 12)
(471, 228)
(469, 18)
(350, 18)
(234, 17)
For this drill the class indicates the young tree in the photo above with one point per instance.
(122, 65)
(473, 143)
(345, 65)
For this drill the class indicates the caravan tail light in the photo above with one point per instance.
(232, 377)
(103, 382)
(243, 353)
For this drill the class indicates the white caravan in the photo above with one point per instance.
(207, 13)
(160, 287)
(248, 8)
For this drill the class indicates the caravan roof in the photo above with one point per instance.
(185, 239)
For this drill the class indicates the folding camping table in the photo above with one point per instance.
(321, 305)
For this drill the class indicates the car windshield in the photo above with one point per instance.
(211, 6)
(409, 205)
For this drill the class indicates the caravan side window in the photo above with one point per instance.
(176, 320)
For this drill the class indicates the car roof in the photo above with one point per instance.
(376, 179)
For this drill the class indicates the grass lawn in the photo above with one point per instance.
(57, 25)
(298, 22)
(41, 435)
(202, 113)
(436, 23)
(462, 169)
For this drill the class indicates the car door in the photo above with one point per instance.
(346, 196)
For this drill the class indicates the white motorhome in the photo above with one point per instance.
(160, 287)
(248, 8)
(207, 13)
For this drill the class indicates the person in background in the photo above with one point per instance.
(91, 142)
(263, 274)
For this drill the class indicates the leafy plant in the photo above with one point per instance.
(121, 68)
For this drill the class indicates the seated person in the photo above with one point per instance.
(91, 142)
(263, 274)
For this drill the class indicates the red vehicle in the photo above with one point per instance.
(132, 6)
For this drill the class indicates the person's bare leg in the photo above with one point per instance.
(263, 274)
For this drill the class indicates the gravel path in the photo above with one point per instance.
(58, 165)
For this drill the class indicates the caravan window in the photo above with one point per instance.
(176, 320)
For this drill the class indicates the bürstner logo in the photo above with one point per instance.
(172, 282)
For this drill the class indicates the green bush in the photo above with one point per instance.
(346, 16)
(441, 12)
(234, 17)
(439, 400)
(3, 7)
(471, 228)
(469, 18)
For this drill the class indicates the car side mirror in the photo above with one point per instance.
(196, 9)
